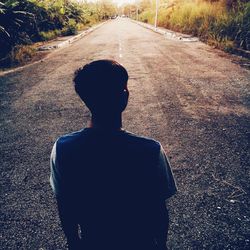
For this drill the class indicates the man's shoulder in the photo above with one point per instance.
(133, 140)
(70, 138)
(70, 141)
(144, 141)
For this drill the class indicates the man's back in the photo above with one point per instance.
(112, 180)
(111, 183)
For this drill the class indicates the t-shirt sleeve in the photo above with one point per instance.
(166, 178)
(55, 177)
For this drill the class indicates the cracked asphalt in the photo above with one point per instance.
(187, 95)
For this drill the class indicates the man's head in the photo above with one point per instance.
(102, 86)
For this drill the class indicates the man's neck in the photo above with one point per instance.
(107, 122)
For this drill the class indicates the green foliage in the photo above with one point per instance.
(242, 27)
(49, 35)
(23, 22)
(14, 22)
(147, 16)
(70, 28)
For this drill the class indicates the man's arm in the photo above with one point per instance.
(64, 203)
(167, 188)
(161, 225)
(69, 223)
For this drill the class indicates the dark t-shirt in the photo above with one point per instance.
(112, 179)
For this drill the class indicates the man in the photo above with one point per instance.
(109, 183)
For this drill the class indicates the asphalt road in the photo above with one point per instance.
(189, 96)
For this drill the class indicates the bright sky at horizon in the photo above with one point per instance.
(119, 2)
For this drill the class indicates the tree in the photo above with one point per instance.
(14, 23)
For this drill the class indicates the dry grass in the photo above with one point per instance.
(22, 54)
(19, 55)
(212, 22)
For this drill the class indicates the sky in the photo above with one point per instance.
(119, 2)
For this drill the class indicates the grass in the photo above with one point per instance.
(49, 35)
(70, 29)
(213, 22)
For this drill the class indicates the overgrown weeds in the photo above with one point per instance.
(214, 21)
(19, 55)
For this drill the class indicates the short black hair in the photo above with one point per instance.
(101, 84)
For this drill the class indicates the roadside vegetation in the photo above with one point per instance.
(222, 23)
(26, 22)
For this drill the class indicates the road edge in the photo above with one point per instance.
(72, 39)
(168, 33)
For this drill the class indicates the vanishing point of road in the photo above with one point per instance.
(190, 97)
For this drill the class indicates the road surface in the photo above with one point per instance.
(188, 96)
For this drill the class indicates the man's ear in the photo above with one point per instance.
(125, 99)
(126, 93)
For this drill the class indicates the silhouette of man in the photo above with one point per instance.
(110, 185)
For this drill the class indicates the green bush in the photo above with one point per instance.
(147, 16)
(242, 27)
(70, 28)
(49, 35)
